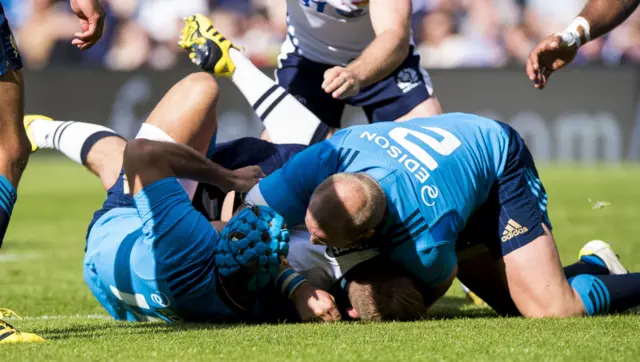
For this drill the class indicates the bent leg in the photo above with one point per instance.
(537, 282)
(14, 145)
(187, 113)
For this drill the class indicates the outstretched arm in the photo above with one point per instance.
(391, 21)
(146, 162)
(604, 15)
(554, 52)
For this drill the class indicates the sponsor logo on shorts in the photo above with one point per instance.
(512, 230)
(407, 79)
(12, 40)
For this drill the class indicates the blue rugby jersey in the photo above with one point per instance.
(434, 171)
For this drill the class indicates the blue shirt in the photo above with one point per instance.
(434, 171)
(155, 261)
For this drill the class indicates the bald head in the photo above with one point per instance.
(348, 204)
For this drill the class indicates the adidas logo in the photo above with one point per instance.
(512, 230)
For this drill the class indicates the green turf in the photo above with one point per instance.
(41, 278)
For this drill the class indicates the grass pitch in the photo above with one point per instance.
(41, 278)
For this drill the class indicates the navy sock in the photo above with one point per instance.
(607, 293)
(624, 290)
(8, 198)
(588, 264)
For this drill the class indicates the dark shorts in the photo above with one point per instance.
(389, 99)
(9, 55)
(208, 199)
(236, 154)
(515, 210)
(117, 196)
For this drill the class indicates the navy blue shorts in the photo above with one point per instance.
(9, 55)
(208, 198)
(389, 99)
(117, 196)
(516, 209)
(236, 154)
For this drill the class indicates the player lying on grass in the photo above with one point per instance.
(149, 253)
(160, 266)
(408, 190)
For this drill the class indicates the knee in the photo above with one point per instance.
(204, 85)
(553, 307)
(16, 148)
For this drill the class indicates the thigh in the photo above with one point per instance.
(303, 79)
(407, 88)
(522, 229)
(187, 112)
(537, 282)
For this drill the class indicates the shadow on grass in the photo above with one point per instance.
(445, 309)
(126, 328)
(458, 308)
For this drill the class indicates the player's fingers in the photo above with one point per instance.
(343, 91)
(329, 76)
(335, 84)
(529, 70)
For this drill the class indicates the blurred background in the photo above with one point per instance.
(450, 33)
(474, 49)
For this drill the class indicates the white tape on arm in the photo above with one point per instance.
(577, 33)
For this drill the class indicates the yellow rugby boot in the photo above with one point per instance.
(207, 48)
(9, 334)
(28, 119)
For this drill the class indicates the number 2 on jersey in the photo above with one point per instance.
(445, 146)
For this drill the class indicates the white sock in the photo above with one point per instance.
(68, 137)
(286, 119)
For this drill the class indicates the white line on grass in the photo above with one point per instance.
(11, 257)
(54, 317)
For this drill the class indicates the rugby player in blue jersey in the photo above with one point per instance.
(150, 254)
(409, 190)
(14, 145)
